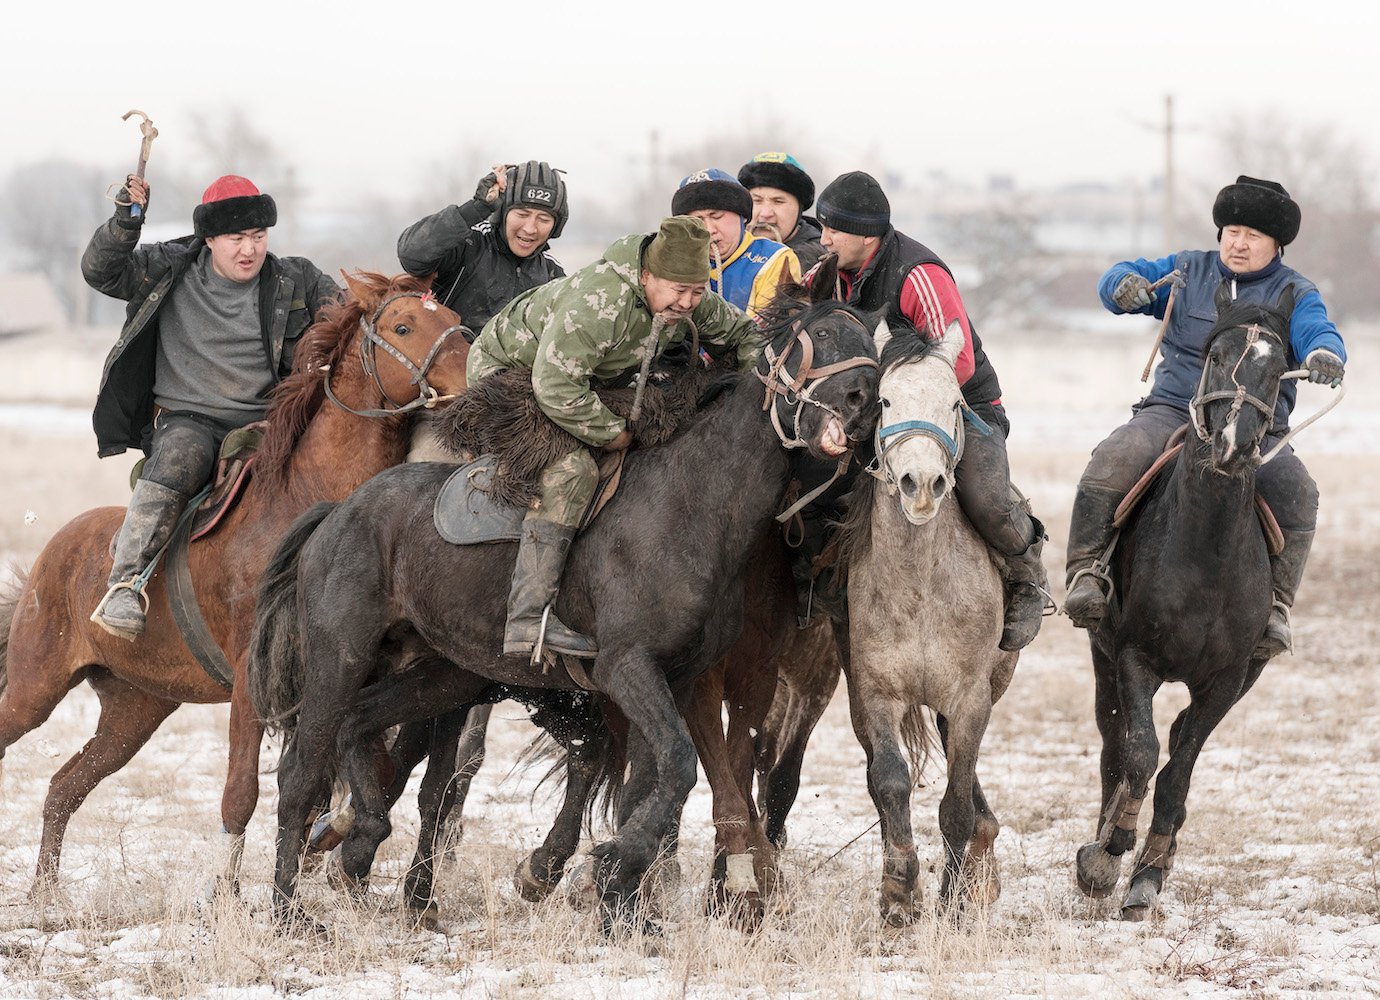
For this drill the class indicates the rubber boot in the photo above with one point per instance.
(536, 578)
(149, 523)
(1027, 593)
(1090, 532)
(1286, 570)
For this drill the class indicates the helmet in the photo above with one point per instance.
(536, 184)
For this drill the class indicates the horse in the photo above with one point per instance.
(311, 451)
(925, 616)
(658, 578)
(1192, 572)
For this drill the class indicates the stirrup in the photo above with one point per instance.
(541, 640)
(132, 584)
(1099, 571)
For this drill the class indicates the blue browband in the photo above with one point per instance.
(934, 430)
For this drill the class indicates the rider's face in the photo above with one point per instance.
(526, 229)
(725, 229)
(239, 256)
(664, 295)
(854, 251)
(1244, 249)
(774, 213)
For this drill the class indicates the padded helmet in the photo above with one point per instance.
(536, 184)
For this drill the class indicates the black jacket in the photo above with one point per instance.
(291, 292)
(805, 242)
(476, 273)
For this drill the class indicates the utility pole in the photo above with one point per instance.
(1171, 239)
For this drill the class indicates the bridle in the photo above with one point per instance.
(889, 437)
(427, 397)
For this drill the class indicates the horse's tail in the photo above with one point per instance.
(9, 600)
(921, 740)
(275, 648)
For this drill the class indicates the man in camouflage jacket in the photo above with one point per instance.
(597, 327)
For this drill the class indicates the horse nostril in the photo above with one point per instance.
(857, 399)
(938, 487)
(907, 485)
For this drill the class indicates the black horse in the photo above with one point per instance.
(1193, 574)
(657, 579)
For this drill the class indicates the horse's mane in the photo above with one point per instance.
(295, 400)
(906, 344)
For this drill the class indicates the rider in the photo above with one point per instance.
(746, 268)
(212, 322)
(1255, 220)
(494, 246)
(594, 328)
(881, 269)
(781, 193)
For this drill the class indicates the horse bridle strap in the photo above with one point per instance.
(798, 389)
(427, 397)
(891, 436)
(1239, 396)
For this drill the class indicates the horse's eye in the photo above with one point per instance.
(823, 335)
(401, 330)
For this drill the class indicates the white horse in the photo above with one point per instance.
(925, 600)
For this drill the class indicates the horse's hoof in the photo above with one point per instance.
(292, 920)
(1140, 901)
(529, 886)
(899, 912)
(983, 882)
(426, 918)
(1098, 872)
(580, 890)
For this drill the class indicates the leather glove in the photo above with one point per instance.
(1325, 368)
(486, 191)
(1132, 293)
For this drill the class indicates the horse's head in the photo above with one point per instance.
(820, 370)
(422, 361)
(1244, 359)
(920, 434)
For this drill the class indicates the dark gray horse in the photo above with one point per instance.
(658, 579)
(1193, 574)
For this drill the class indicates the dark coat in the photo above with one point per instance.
(476, 273)
(291, 292)
(805, 242)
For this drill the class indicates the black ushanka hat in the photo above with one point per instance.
(781, 171)
(1262, 205)
(232, 204)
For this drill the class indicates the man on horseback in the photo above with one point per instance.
(746, 268)
(781, 193)
(212, 322)
(597, 327)
(881, 269)
(1255, 220)
(493, 247)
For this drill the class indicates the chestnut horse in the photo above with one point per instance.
(311, 452)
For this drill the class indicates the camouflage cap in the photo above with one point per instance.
(679, 251)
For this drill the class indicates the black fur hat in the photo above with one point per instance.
(232, 204)
(1262, 205)
(711, 188)
(782, 171)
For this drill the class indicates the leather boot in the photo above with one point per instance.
(1286, 570)
(536, 578)
(1090, 532)
(1027, 593)
(149, 523)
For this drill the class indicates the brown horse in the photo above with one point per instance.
(311, 452)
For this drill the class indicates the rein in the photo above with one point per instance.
(427, 397)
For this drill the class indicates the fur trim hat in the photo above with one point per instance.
(782, 171)
(1262, 205)
(855, 203)
(679, 251)
(712, 189)
(232, 204)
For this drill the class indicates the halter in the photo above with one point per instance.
(888, 438)
(427, 397)
(1239, 396)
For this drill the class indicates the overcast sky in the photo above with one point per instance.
(373, 95)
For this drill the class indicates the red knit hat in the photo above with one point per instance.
(232, 204)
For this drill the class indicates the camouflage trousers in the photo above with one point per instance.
(567, 485)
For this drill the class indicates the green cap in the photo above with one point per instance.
(679, 251)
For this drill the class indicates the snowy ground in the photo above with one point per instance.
(1276, 891)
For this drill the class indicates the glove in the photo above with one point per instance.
(124, 206)
(1324, 368)
(1132, 293)
(485, 191)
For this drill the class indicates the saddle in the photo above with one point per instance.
(1274, 537)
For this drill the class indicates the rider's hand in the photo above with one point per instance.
(1132, 293)
(136, 192)
(621, 442)
(491, 185)
(1324, 368)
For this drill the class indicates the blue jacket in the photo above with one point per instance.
(1176, 377)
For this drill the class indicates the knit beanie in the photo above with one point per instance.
(782, 171)
(232, 204)
(679, 251)
(854, 203)
(712, 189)
(1262, 205)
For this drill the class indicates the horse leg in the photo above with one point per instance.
(749, 700)
(540, 872)
(1098, 864)
(241, 792)
(469, 758)
(877, 724)
(435, 799)
(957, 811)
(789, 727)
(1190, 731)
(981, 873)
(639, 690)
(129, 716)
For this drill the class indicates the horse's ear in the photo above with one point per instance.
(824, 276)
(359, 291)
(882, 335)
(1222, 297)
(952, 345)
